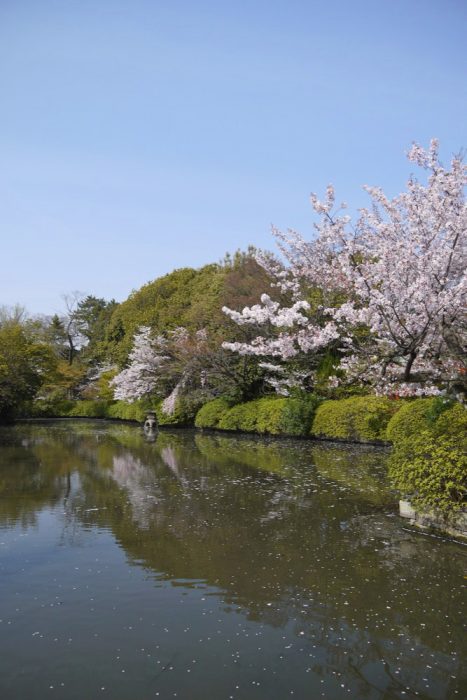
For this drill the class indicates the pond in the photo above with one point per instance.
(199, 566)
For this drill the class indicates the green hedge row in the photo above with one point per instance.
(137, 411)
(211, 413)
(273, 416)
(362, 418)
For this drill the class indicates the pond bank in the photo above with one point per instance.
(428, 520)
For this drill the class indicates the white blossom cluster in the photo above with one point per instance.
(146, 363)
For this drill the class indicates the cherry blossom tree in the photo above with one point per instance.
(393, 286)
(161, 366)
(147, 360)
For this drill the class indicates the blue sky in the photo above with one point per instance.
(138, 136)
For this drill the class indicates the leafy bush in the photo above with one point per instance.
(211, 413)
(297, 415)
(89, 409)
(48, 408)
(268, 415)
(410, 420)
(271, 415)
(437, 415)
(362, 418)
(452, 422)
(431, 470)
(186, 409)
(241, 417)
(136, 411)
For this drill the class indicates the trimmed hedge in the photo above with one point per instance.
(431, 470)
(437, 415)
(136, 411)
(362, 418)
(211, 413)
(241, 417)
(269, 415)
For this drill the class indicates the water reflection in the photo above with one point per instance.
(297, 538)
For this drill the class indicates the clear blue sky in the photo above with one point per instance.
(138, 136)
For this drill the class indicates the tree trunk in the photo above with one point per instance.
(71, 349)
(408, 366)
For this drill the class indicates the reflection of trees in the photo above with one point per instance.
(29, 480)
(360, 470)
(137, 482)
(296, 543)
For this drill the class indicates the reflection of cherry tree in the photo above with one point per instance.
(137, 481)
(401, 270)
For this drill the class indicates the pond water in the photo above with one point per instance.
(202, 566)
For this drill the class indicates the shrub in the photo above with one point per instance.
(410, 420)
(268, 415)
(45, 408)
(271, 415)
(135, 411)
(211, 413)
(241, 417)
(436, 415)
(89, 409)
(362, 418)
(431, 470)
(297, 415)
(452, 422)
(186, 409)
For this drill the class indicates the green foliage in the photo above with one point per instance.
(89, 409)
(431, 470)
(268, 413)
(186, 408)
(64, 382)
(297, 415)
(189, 298)
(99, 389)
(437, 415)
(211, 413)
(91, 318)
(24, 364)
(363, 419)
(135, 411)
(241, 417)
(185, 297)
(271, 415)
(50, 407)
(452, 422)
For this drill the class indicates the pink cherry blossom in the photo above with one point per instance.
(401, 266)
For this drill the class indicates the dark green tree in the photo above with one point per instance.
(24, 365)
